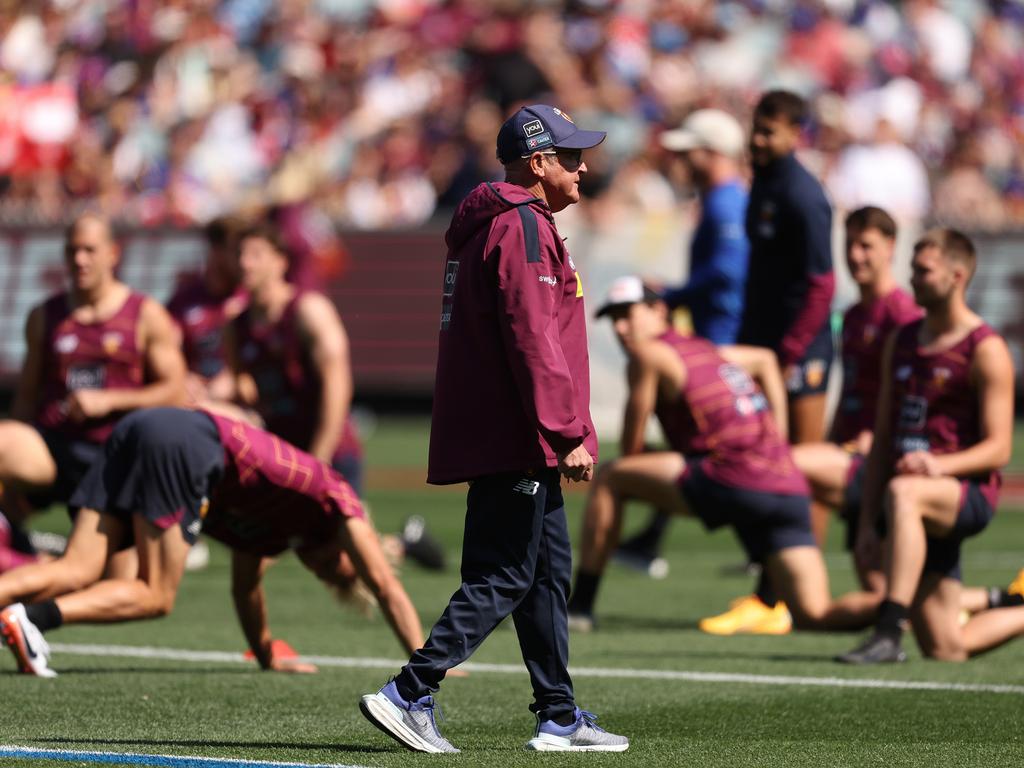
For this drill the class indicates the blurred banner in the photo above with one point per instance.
(389, 295)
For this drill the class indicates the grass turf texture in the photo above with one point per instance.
(230, 710)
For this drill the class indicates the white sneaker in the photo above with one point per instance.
(585, 735)
(410, 723)
(198, 556)
(25, 641)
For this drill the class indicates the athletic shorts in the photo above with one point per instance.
(852, 497)
(161, 463)
(766, 523)
(974, 515)
(810, 375)
(73, 457)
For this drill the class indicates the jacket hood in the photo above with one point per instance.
(485, 202)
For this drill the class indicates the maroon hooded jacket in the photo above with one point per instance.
(513, 375)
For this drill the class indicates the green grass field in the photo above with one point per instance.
(218, 708)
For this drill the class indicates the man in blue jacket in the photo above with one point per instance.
(511, 415)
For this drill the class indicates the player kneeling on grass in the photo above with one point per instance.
(729, 466)
(943, 431)
(165, 474)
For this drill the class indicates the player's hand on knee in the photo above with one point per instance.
(85, 404)
(918, 463)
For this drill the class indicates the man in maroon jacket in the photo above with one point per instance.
(511, 414)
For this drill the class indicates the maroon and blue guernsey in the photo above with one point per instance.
(866, 327)
(76, 355)
(934, 402)
(277, 357)
(723, 415)
(201, 316)
(272, 496)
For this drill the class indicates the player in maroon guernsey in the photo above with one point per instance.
(94, 353)
(729, 464)
(943, 433)
(202, 307)
(167, 473)
(289, 353)
(835, 469)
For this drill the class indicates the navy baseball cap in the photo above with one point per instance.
(539, 127)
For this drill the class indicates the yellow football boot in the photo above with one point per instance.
(744, 613)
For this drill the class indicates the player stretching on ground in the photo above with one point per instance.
(835, 470)
(943, 432)
(94, 353)
(729, 466)
(165, 474)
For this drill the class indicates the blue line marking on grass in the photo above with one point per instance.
(161, 761)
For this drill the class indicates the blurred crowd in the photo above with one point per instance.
(383, 112)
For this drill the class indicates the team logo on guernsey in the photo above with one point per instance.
(903, 372)
(941, 376)
(66, 344)
(111, 342)
(736, 379)
(194, 316)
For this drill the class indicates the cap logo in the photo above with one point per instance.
(557, 111)
(532, 128)
(538, 141)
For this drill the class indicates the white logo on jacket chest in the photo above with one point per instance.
(548, 279)
(65, 345)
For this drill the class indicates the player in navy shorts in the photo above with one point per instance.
(94, 353)
(943, 432)
(729, 463)
(166, 474)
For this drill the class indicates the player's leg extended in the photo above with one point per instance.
(917, 507)
(800, 575)
(935, 618)
(991, 628)
(362, 544)
(25, 461)
(162, 555)
(93, 537)
(649, 477)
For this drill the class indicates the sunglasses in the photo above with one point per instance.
(570, 159)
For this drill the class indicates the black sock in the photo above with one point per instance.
(892, 616)
(656, 528)
(1000, 598)
(45, 615)
(765, 591)
(582, 598)
(565, 719)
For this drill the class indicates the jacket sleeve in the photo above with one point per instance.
(725, 267)
(814, 219)
(527, 309)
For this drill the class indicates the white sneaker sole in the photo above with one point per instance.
(388, 718)
(14, 637)
(545, 743)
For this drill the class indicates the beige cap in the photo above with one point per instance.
(707, 129)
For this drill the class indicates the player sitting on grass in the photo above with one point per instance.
(729, 464)
(943, 431)
(835, 470)
(167, 473)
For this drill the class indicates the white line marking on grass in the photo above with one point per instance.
(172, 654)
(163, 761)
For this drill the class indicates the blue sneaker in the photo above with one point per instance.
(410, 723)
(582, 736)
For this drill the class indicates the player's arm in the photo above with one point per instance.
(763, 367)
(642, 376)
(165, 371)
(815, 224)
(328, 347)
(30, 384)
(992, 372)
(251, 606)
